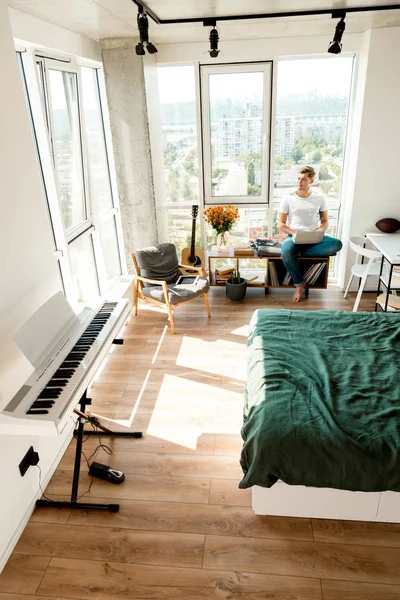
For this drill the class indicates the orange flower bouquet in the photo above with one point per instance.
(221, 218)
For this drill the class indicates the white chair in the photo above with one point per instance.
(362, 270)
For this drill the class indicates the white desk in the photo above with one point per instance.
(389, 245)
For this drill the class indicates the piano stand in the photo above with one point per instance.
(85, 418)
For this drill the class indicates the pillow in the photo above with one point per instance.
(158, 262)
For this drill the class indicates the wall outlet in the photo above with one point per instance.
(30, 459)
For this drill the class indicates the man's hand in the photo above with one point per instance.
(324, 221)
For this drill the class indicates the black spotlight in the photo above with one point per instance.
(214, 39)
(140, 49)
(143, 27)
(335, 46)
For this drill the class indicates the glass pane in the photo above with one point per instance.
(180, 229)
(236, 120)
(109, 244)
(179, 130)
(311, 125)
(83, 268)
(99, 176)
(67, 146)
(252, 223)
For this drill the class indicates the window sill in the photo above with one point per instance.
(122, 288)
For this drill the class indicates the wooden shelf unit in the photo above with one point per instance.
(321, 282)
(305, 263)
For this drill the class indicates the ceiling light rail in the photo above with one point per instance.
(273, 15)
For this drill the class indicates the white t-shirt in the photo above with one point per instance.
(303, 213)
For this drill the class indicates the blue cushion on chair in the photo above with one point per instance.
(158, 262)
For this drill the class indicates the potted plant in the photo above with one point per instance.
(236, 287)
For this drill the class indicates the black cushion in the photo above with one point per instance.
(158, 262)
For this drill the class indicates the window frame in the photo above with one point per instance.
(267, 68)
(34, 70)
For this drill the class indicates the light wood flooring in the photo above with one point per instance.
(185, 531)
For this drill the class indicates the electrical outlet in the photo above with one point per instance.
(30, 459)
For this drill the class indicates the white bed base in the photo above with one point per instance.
(325, 503)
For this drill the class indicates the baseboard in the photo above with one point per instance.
(24, 521)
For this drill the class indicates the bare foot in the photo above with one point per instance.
(298, 292)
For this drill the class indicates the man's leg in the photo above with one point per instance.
(328, 247)
(289, 250)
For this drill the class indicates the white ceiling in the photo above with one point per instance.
(98, 19)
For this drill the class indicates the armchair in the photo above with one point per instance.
(157, 271)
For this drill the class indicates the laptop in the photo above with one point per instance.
(308, 237)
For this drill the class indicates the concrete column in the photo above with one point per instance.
(126, 97)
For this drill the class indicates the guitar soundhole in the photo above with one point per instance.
(195, 261)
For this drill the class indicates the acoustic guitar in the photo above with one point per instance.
(193, 256)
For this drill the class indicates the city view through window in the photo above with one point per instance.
(310, 128)
(236, 103)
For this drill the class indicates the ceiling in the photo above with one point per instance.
(98, 19)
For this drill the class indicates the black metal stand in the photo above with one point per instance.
(85, 418)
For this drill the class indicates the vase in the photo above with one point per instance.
(223, 240)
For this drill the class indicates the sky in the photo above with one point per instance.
(326, 76)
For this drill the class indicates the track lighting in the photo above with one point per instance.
(214, 39)
(335, 46)
(143, 27)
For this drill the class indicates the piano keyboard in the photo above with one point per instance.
(44, 404)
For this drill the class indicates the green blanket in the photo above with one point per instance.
(322, 401)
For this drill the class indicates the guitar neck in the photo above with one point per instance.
(192, 244)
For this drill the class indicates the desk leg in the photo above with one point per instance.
(388, 288)
(379, 282)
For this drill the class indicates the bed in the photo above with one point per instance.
(321, 424)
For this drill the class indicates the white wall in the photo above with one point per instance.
(376, 192)
(30, 30)
(28, 277)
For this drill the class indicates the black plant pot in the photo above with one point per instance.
(236, 291)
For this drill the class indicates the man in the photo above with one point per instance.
(307, 211)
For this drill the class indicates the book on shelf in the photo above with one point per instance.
(223, 279)
(311, 275)
(227, 271)
(273, 274)
(243, 251)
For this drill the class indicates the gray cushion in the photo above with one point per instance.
(158, 262)
(178, 293)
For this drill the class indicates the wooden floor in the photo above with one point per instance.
(185, 531)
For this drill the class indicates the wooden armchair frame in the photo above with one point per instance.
(167, 305)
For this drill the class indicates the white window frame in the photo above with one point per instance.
(266, 67)
(40, 108)
(52, 65)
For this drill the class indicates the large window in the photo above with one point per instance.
(177, 91)
(65, 104)
(236, 104)
(311, 125)
(179, 131)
